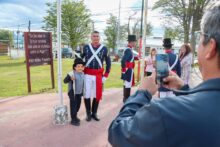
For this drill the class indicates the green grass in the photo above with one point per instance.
(13, 77)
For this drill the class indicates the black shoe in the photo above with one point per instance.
(75, 122)
(95, 117)
(88, 117)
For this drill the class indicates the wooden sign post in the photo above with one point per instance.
(38, 51)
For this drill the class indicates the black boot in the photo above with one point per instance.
(95, 105)
(88, 109)
(75, 121)
(124, 99)
(126, 94)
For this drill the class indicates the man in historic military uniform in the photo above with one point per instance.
(94, 55)
(174, 65)
(127, 65)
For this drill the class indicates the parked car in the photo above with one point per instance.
(121, 52)
(66, 53)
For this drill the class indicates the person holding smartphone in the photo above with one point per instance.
(189, 119)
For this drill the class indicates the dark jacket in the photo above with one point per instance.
(103, 56)
(191, 119)
(177, 68)
(71, 86)
(127, 57)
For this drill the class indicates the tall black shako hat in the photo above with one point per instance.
(78, 61)
(167, 42)
(132, 38)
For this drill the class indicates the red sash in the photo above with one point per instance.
(129, 64)
(98, 73)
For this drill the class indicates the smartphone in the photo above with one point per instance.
(162, 67)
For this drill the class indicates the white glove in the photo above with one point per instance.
(71, 74)
(103, 79)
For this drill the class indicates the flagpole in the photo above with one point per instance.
(60, 110)
(59, 63)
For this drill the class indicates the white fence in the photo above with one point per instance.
(16, 53)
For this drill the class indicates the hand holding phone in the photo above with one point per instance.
(173, 81)
(162, 68)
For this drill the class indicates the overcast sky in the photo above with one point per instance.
(17, 13)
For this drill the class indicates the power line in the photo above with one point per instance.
(116, 11)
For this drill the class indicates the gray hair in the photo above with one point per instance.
(210, 27)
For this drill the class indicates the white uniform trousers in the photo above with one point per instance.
(90, 86)
(129, 84)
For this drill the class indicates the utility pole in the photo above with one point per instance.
(118, 29)
(144, 38)
(93, 26)
(129, 18)
(140, 43)
(29, 26)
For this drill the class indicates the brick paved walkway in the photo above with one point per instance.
(27, 121)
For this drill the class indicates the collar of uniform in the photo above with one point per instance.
(168, 51)
(129, 46)
(95, 46)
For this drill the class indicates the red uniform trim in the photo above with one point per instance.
(129, 46)
(98, 73)
(123, 70)
(129, 64)
(168, 51)
(136, 58)
(106, 74)
(95, 45)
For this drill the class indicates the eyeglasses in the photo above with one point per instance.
(95, 36)
(202, 34)
(207, 37)
(199, 35)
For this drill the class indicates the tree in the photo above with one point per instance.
(182, 13)
(111, 32)
(6, 36)
(185, 13)
(199, 7)
(174, 33)
(137, 28)
(75, 22)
